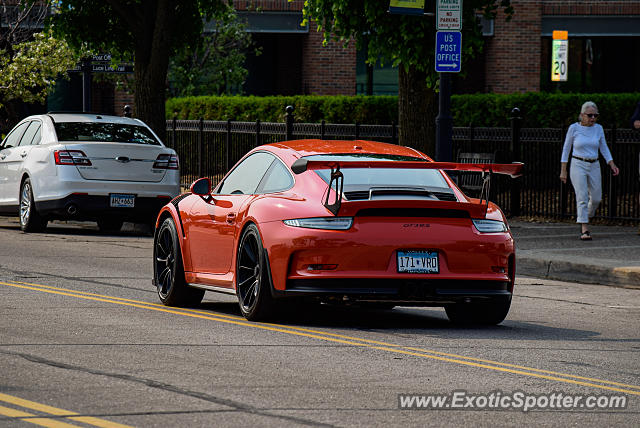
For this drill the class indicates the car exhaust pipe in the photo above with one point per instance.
(72, 209)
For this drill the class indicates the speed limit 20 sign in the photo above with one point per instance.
(559, 56)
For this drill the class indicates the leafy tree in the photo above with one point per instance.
(29, 70)
(30, 61)
(214, 64)
(406, 41)
(147, 31)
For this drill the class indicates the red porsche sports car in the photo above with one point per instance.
(342, 221)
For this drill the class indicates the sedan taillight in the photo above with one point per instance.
(71, 157)
(167, 161)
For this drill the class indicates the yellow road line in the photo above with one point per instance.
(44, 422)
(52, 411)
(375, 342)
(451, 358)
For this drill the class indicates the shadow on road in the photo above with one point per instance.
(430, 321)
(80, 228)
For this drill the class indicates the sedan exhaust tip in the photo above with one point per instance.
(72, 209)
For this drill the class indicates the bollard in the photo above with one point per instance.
(201, 148)
(258, 132)
(289, 122)
(174, 124)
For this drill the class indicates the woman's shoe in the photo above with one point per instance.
(585, 236)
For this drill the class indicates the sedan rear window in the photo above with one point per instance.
(107, 132)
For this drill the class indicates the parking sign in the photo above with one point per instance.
(449, 16)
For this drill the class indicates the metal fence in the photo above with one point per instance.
(209, 148)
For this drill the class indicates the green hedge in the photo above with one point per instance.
(539, 110)
(309, 109)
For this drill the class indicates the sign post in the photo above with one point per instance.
(96, 64)
(448, 60)
(559, 56)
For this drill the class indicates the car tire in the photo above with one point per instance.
(30, 219)
(110, 225)
(478, 313)
(168, 270)
(253, 284)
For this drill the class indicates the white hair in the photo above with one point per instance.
(584, 108)
(588, 104)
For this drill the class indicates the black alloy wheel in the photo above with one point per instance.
(478, 313)
(168, 270)
(253, 285)
(30, 219)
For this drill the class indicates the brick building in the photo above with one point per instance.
(604, 53)
(604, 46)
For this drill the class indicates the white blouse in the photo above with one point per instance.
(585, 141)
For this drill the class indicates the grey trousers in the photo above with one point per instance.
(587, 183)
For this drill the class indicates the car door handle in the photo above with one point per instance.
(3, 156)
(231, 217)
(23, 154)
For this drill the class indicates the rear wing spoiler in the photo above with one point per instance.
(301, 165)
(513, 169)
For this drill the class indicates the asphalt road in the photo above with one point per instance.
(84, 341)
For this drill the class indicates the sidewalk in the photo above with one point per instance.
(554, 250)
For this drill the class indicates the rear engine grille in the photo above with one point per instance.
(364, 195)
(358, 195)
(443, 196)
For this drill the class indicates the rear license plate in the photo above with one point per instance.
(118, 200)
(418, 261)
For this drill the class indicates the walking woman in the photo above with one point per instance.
(586, 138)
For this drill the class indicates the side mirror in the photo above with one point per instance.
(201, 187)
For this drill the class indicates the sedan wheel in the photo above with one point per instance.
(30, 219)
(168, 271)
(253, 286)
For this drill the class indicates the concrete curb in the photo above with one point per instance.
(626, 277)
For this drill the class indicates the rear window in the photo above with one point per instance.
(107, 132)
(374, 177)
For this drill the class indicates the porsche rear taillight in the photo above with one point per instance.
(167, 161)
(71, 157)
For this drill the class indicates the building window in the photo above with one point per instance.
(376, 80)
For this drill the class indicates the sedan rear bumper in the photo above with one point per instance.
(92, 207)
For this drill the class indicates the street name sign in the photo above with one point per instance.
(449, 15)
(559, 56)
(448, 51)
(101, 63)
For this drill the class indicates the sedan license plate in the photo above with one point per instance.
(118, 200)
(418, 261)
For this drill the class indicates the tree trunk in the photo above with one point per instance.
(149, 97)
(417, 111)
(152, 46)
